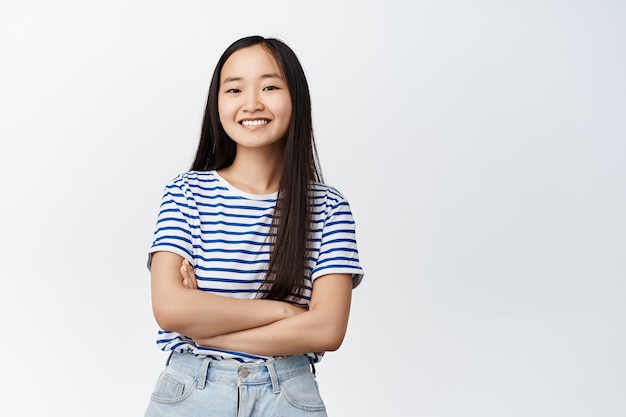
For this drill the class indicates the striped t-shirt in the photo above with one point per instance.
(222, 232)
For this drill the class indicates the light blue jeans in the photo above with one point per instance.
(192, 386)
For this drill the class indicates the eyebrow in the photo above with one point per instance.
(264, 76)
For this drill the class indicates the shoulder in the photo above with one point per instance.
(319, 189)
(193, 177)
(328, 196)
(193, 181)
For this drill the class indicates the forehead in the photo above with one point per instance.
(251, 62)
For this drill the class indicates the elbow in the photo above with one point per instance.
(171, 309)
(332, 340)
(333, 345)
(167, 317)
(329, 332)
(332, 348)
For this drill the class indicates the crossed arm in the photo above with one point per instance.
(260, 327)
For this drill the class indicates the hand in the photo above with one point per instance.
(189, 277)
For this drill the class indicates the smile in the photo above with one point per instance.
(254, 123)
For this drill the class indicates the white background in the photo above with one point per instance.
(481, 145)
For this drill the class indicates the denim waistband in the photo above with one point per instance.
(272, 370)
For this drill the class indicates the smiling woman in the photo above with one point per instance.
(252, 270)
(254, 109)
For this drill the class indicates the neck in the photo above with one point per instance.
(255, 171)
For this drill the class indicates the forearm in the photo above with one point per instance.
(296, 335)
(198, 314)
(320, 329)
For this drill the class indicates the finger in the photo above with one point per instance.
(188, 275)
(185, 274)
(191, 276)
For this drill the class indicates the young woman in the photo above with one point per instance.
(254, 259)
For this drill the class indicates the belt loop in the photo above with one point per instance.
(169, 358)
(312, 364)
(270, 367)
(204, 370)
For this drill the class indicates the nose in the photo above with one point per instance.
(252, 102)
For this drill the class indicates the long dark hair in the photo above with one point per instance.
(290, 227)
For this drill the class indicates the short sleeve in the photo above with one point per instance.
(173, 228)
(338, 249)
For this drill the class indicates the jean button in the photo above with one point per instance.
(243, 372)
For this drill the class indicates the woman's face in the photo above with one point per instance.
(254, 103)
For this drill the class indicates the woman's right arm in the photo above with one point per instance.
(200, 314)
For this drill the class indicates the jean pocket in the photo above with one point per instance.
(301, 391)
(173, 386)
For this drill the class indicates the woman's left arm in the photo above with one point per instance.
(321, 328)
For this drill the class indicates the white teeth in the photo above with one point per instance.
(254, 122)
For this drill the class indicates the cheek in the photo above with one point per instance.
(285, 111)
(221, 112)
(226, 110)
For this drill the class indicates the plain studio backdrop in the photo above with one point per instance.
(481, 144)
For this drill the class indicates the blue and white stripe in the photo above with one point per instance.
(223, 233)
